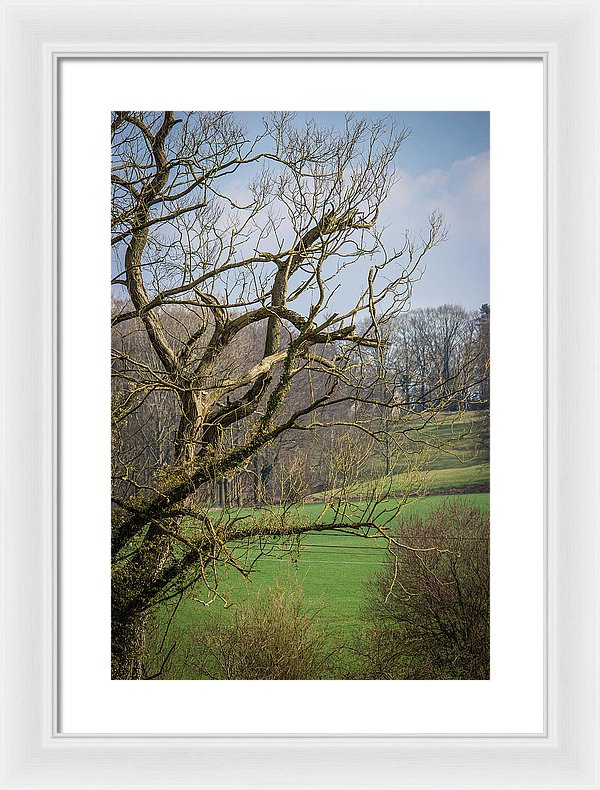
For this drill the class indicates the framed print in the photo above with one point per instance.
(511, 699)
(504, 98)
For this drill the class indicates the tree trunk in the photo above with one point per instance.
(128, 646)
(132, 581)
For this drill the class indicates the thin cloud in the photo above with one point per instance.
(458, 270)
(461, 192)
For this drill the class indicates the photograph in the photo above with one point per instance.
(300, 395)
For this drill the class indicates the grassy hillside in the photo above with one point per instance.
(331, 568)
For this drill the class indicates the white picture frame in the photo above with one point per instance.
(34, 38)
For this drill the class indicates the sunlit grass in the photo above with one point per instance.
(331, 568)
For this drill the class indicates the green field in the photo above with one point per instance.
(450, 452)
(452, 440)
(331, 568)
(456, 479)
(462, 438)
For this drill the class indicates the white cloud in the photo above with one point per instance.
(461, 192)
(457, 270)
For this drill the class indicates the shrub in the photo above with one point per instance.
(428, 611)
(273, 637)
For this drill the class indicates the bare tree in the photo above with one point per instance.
(438, 356)
(483, 347)
(229, 250)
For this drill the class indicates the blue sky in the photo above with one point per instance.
(443, 164)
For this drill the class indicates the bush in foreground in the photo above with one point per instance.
(273, 637)
(428, 610)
